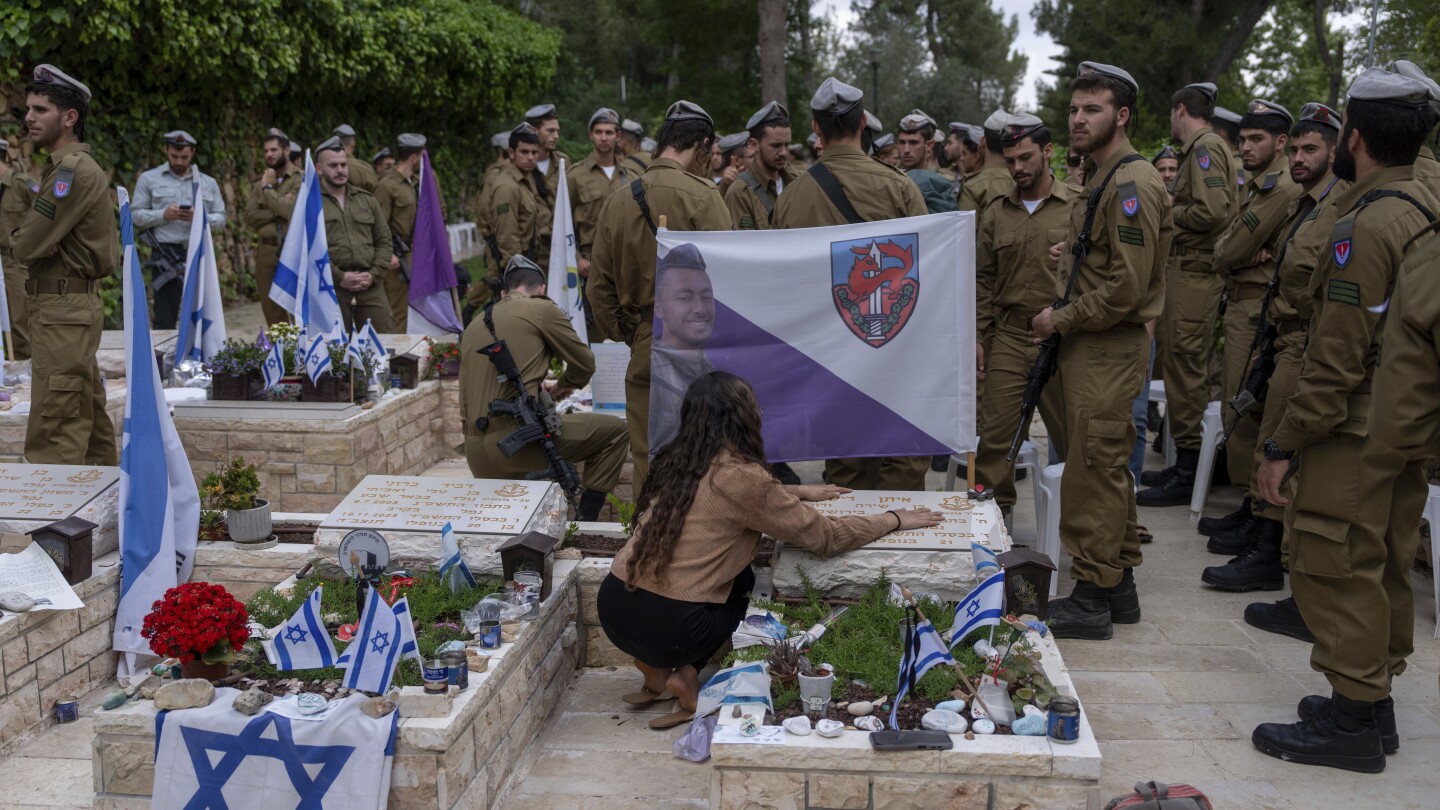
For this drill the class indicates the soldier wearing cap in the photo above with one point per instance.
(297, 153)
(622, 269)
(886, 150)
(267, 212)
(537, 333)
(359, 241)
(398, 195)
(874, 191)
(362, 174)
(1255, 535)
(383, 161)
(735, 155)
(1226, 124)
(815, 145)
(595, 178)
(1167, 163)
(518, 217)
(18, 190)
(163, 207)
(917, 157)
(1358, 501)
(1014, 280)
(1118, 288)
(1427, 169)
(68, 242)
(962, 149)
(1204, 205)
(546, 122)
(993, 178)
(752, 199)
(632, 137)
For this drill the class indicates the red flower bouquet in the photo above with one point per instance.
(197, 621)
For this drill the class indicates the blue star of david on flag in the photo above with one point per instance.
(372, 657)
(379, 642)
(301, 642)
(294, 634)
(253, 741)
(983, 607)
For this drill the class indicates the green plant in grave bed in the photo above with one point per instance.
(624, 512)
(431, 603)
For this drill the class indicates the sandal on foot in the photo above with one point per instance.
(671, 720)
(643, 698)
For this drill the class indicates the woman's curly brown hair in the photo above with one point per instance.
(719, 413)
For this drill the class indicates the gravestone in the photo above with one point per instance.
(934, 560)
(36, 495)
(411, 511)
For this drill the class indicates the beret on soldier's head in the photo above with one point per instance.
(884, 141)
(500, 140)
(1087, 68)
(773, 112)
(49, 74)
(1382, 86)
(179, 137)
(331, 144)
(1262, 107)
(1165, 152)
(916, 120)
(734, 141)
(812, 139)
(410, 140)
(683, 110)
(1318, 113)
(648, 144)
(1222, 114)
(520, 261)
(540, 112)
(296, 149)
(344, 131)
(381, 155)
(872, 123)
(1207, 89)
(835, 97)
(274, 132)
(686, 255)
(1405, 67)
(632, 127)
(1018, 127)
(604, 115)
(997, 121)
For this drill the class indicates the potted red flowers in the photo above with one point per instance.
(199, 623)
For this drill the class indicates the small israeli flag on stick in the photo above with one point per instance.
(983, 607)
(453, 569)
(301, 642)
(274, 367)
(317, 358)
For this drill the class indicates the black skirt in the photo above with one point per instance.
(669, 633)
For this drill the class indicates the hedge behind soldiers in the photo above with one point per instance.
(68, 241)
(362, 174)
(1204, 205)
(1118, 288)
(1014, 280)
(1354, 534)
(359, 242)
(397, 193)
(268, 211)
(993, 178)
(1255, 531)
(17, 193)
(163, 207)
(622, 269)
(536, 332)
(751, 200)
(874, 191)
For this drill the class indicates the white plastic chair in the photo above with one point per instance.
(1211, 428)
(1029, 459)
(1432, 517)
(1047, 516)
(1157, 394)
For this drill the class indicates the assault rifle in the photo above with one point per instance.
(1261, 360)
(538, 424)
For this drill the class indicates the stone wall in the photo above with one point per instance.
(599, 652)
(12, 425)
(244, 571)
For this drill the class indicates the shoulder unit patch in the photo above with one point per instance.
(1129, 198)
(1202, 157)
(1341, 244)
(64, 180)
(1270, 181)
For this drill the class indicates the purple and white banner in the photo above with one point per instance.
(858, 339)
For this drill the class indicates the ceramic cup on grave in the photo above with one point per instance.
(436, 674)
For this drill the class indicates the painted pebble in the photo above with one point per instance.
(829, 728)
(944, 720)
(799, 726)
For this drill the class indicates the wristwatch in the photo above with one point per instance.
(1274, 453)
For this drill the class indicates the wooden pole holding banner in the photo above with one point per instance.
(969, 472)
(662, 222)
(9, 346)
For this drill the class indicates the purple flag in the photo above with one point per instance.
(432, 269)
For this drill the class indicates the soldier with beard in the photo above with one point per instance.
(268, 212)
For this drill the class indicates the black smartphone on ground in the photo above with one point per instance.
(911, 740)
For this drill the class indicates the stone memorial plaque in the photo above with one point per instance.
(470, 505)
(966, 521)
(50, 492)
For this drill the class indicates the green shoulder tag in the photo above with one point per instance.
(1250, 220)
(502, 208)
(1131, 236)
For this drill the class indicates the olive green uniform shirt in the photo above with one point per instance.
(358, 238)
(517, 217)
(535, 330)
(267, 210)
(641, 160)
(588, 187)
(1351, 289)
(752, 197)
(1013, 270)
(980, 188)
(1205, 197)
(1407, 418)
(1258, 227)
(552, 174)
(1303, 251)
(876, 190)
(398, 199)
(74, 235)
(362, 174)
(1427, 171)
(15, 200)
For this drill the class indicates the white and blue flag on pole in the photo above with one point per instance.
(983, 607)
(302, 279)
(453, 569)
(301, 642)
(365, 339)
(274, 367)
(317, 358)
(159, 502)
(202, 318)
(985, 562)
(374, 654)
(563, 286)
(409, 645)
(923, 650)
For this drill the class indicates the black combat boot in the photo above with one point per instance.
(1085, 613)
(1281, 617)
(786, 475)
(1177, 487)
(1257, 568)
(1236, 541)
(939, 463)
(1346, 737)
(591, 501)
(1312, 706)
(1124, 600)
(1154, 478)
(1210, 526)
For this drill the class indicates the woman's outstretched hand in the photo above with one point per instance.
(921, 518)
(821, 492)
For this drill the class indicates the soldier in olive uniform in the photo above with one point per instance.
(536, 332)
(1261, 548)
(1354, 514)
(993, 178)
(874, 191)
(1204, 206)
(1226, 124)
(362, 174)
(752, 198)
(1014, 280)
(68, 242)
(593, 179)
(518, 215)
(917, 158)
(622, 262)
(397, 193)
(546, 123)
(359, 242)
(632, 144)
(480, 290)
(383, 161)
(268, 211)
(1118, 286)
(17, 193)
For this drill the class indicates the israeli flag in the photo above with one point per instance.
(274, 367)
(159, 503)
(453, 569)
(373, 339)
(365, 339)
(985, 562)
(372, 657)
(302, 642)
(983, 607)
(302, 280)
(409, 645)
(563, 284)
(202, 319)
(923, 650)
(317, 358)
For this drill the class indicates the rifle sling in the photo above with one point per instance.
(637, 190)
(831, 186)
(1082, 241)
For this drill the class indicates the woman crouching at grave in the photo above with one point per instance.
(681, 585)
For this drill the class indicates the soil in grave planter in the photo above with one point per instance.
(911, 710)
(236, 387)
(330, 389)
